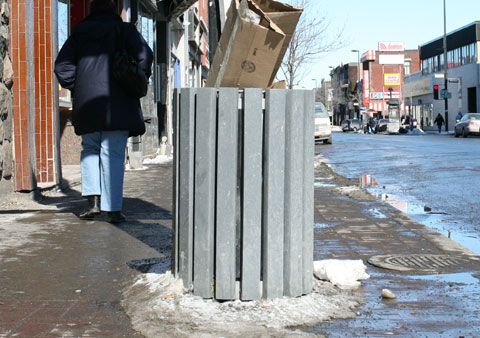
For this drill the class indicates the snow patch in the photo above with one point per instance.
(376, 213)
(348, 189)
(416, 131)
(344, 274)
(160, 306)
(159, 159)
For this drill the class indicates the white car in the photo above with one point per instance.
(323, 127)
(468, 125)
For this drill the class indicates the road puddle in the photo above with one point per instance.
(435, 219)
(321, 225)
(456, 278)
(323, 185)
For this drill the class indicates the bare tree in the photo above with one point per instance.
(310, 41)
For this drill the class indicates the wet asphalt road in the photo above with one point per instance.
(413, 171)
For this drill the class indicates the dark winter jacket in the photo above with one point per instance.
(439, 120)
(83, 66)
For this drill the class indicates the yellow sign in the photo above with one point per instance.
(392, 79)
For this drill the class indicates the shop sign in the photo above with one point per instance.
(392, 79)
(391, 46)
(384, 95)
(366, 88)
(391, 59)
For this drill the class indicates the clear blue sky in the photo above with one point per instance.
(367, 22)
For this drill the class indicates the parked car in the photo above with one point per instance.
(387, 126)
(323, 127)
(469, 124)
(352, 125)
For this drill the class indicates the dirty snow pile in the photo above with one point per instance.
(344, 274)
(159, 159)
(416, 131)
(160, 306)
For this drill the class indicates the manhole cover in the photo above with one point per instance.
(414, 262)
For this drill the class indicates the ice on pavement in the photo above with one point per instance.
(160, 306)
(343, 273)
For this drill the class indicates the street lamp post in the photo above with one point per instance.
(445, 61)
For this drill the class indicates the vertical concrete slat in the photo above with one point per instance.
(294, 153)
(273, 193)
(252, 194)
(176, 143)
(226, 189)
(204, 215)
(186, 153)
(308, 189)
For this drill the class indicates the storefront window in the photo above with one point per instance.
(63, 22)
(427, 115)
(146, 27)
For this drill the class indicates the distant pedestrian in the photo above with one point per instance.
(459, 116)
(104, 114)
(371, 125)
(439, 121)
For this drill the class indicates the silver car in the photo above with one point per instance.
(323, 128)
(469, 124)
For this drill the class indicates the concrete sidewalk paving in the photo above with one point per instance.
(63, 277)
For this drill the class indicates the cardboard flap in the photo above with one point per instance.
(253, 43)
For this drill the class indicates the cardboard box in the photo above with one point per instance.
(252, 45)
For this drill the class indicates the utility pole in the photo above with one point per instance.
(445, 61)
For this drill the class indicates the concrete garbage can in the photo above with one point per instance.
(243, 203)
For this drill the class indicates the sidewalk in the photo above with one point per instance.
(63, 277)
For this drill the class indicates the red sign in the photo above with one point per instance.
(391, 46)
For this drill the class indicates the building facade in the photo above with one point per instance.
(384, 71)
(377, 89)
(344, 93)
(463, 78)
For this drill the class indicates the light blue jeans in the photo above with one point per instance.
(102, 164)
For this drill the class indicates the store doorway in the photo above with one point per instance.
(472, 99)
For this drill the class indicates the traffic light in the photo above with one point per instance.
(435, 92)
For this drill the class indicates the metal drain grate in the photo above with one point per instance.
(427, 263)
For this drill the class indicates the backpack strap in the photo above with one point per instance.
(120, 38)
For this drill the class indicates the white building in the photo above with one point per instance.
(463, 74)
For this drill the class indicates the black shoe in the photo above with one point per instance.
(93, 207)
(115, 217)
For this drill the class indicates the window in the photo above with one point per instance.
(63, 22)
(407, 66)
(463, 56)
(145, 25)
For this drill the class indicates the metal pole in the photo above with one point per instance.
(358, 65)
(445, 61)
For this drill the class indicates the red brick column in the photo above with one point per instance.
(44, 110)
(24, 170)
(33, 93)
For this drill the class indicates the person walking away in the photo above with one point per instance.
(103, 113)
(439, 121)
(371, 124)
